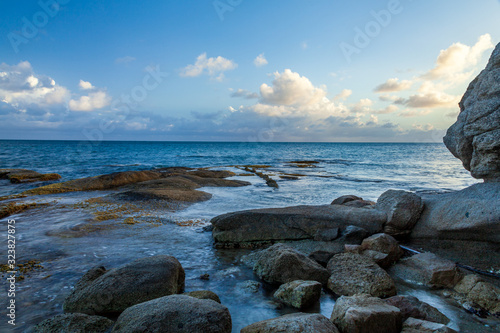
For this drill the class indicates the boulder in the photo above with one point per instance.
(326, 235)
(365, 314)
(353, 274)
(299, 294)
(475, 137)
(204, 294)
(290, 223)
(75, 323)
(175, 314)
(403, 210)
(117, 289)
(345, 199)
(385, 244)
(471, 214)
(249, 286)
(477, 291)
(354, 235)
(281, 264)
(427, 269)
(411, 306)
(360, 203)
(293, 323)
(413, 325)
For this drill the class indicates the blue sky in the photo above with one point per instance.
(239, 70)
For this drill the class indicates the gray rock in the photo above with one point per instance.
(403, 210)
(117, 289)
(75, 323)
(477, 291)
(385, 244)
(471, 214)
(345, 199)
(360, 203)
(249, 286)
(354, 235)
(411, 306)
(281, 264)
(299, 294)
(353, 273)
(365, 314)
(251, 227)
(326, 235)
(413, 325)
(175, 314)
(293, 323)
(475, 137)
(204, 294)
(427, 269)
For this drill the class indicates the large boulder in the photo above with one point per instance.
(403, 210)
(75, 323)
(113, 291)
(353, 274)
(472, 214)
(477, 291)
(413, 325)
(299, 294)
(280, 264)
(427, 269)
(249, 227)
(365, 314)
(293, 323)
(475, 137)
(175, 314)
(411, 306)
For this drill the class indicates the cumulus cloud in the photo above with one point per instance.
(124, 60)
(214, 67)
(388, 110)
(344, 94)
(457, 61)
(85, 85)
(242, 93)
(94, 100)
(260, 60)
(392, 85)
(414, 113)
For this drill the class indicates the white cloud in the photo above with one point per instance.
(414, 113)
(364, 105)
(85, 85)
(95, 100)
(260, 60)
(214, 67)
(124, 60)
(388, 110)
(392, 85)
(344, 94)
(244, 94)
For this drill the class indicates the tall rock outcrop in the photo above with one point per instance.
(475, 136)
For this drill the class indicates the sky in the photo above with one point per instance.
(239, 70)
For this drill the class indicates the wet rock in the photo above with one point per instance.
(204, 294)
(385, 244)
(293, 323)
(167, 195)
(345, 199)
(212, 173)
(27, 176)
(326, 235)
(352, 274)
(412, 307)
(403, 210)
(360, 203)
(281, 264)
(475, 137)
(175, 314)
(90, 276)
(365, 314)
(322, 257)
(477, 291)
(249, 286)
(75, 323)
(471, 214)
(299, 294)
(117, 289)
(427, 269)
(413, 325)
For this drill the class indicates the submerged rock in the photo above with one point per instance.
(411, 306)
(175, 314)
(75, 323)
(299, 294)
(353, 274)
(110, 293)
(365, 314)
(403, 210)
(293, 323)
(475, 137)
(413, 325)
(27, 176)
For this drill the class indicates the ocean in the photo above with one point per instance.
(52, 234)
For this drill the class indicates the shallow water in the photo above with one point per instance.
(48, 233)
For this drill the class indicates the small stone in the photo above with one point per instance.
(299, 294)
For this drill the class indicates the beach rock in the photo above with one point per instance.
(403, 210)
(477, 291)
(75, 323)
(475, 137)
(281, 264)
(354, 235)
(361, 203)
(385, 244)
(175, 314)
(326, 235)
(167, 195)
(90, 276)
(293, 323)
(290, 223)
(27, 176)
(322, 257)
(427, 269)
(299, 294)
(249, 286)
(472, 214)
(411, 306)
(353, 274)
(365, 314)
(413, 325)
(203, 173)
(204, 294)
(117, 289)
(345, 199)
